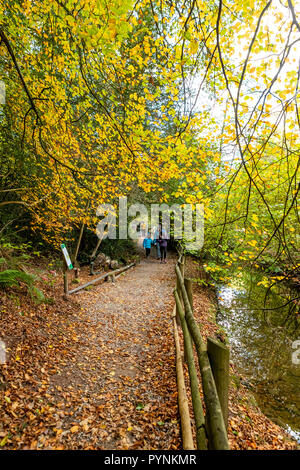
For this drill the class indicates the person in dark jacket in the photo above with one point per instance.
(163, 243)
(159, 231)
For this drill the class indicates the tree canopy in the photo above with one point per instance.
(185, 101)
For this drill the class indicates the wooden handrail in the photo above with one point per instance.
(196, 399)
(94, 281)
(186, 429)
(216, 427)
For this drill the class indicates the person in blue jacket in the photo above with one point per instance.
(147, 243)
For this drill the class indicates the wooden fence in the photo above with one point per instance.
(213, 362)
(111, 275)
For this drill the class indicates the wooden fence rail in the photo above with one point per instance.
(183, 405)
(213, 360)
(111, 274)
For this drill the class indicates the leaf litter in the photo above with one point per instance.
(94, 371)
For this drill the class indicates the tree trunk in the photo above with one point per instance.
(80, 235)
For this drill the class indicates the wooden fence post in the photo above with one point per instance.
(178, 288)
(218, 355)
(65, 275)
(92, 268)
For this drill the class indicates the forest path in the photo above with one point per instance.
(123, 366)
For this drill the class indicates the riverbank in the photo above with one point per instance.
(248, 427)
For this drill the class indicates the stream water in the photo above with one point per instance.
(263, 337)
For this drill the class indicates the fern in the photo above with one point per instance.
(36, 293)
(12, 277)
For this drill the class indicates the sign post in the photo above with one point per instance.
(67, 265)
(66, 256)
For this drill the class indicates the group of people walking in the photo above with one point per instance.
(160, 241)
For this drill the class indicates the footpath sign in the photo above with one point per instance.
(66, 256)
